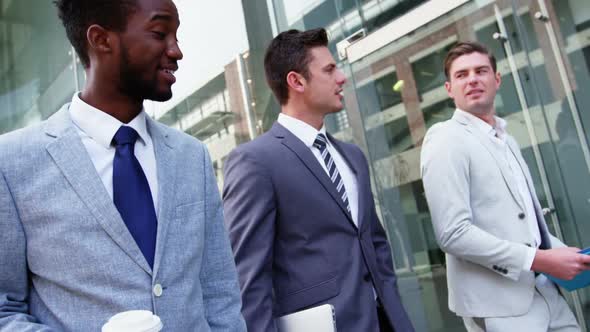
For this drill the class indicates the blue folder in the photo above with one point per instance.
(579, 281)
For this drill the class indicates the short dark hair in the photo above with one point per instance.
(289, 51)
(78, 15)
(463, 48)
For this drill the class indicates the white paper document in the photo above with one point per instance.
(317, 319)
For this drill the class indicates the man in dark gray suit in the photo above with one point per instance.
(299, 207)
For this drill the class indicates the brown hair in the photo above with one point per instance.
(464, 48)
(289, 51)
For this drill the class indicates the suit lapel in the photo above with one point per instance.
(545, 240)
(495, 153)
(308, 159)
(523, 166)
(71, 157)
(355, 167)
(166, 160)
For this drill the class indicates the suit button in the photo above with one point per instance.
(367, 277)
(528, 245)
(504, 271)
(157, 290)
(521, 215)
(495, 267)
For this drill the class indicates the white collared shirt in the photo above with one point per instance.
(498, 137)
(307, 134)
(97, 129)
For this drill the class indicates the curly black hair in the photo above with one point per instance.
(78, 15)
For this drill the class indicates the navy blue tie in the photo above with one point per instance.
(132, 195)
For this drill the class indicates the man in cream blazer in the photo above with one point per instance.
(486, 214)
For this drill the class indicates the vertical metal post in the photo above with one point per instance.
(246, 97)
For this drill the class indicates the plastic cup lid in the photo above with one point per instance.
(133, 321)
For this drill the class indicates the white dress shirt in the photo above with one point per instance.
(97, 129)
(307, 134)
(498, 137)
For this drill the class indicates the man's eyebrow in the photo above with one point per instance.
(484, 67)
(161, 17)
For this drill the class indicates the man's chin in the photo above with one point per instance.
(479, 109)
(337, 108)
(160, 96)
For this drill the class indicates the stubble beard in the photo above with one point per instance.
(133, 86)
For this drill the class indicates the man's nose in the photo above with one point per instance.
(341, 79)
(174, 51)
(472, 78)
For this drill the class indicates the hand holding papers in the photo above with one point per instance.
(579, 281)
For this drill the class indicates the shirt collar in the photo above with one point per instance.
(306, 133)
(499, 129)
(102, 127)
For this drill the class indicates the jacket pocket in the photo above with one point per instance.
(308, 296)
(189, 224)
(190, 210)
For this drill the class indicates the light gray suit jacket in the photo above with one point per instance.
(479, 221)
(67, 260)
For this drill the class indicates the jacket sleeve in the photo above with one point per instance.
(250, 211)
(218, 275)
(445, 166)
(14, 280)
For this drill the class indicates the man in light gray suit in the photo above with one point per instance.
(486, 214)
(104, 210)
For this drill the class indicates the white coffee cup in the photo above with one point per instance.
(133, 321)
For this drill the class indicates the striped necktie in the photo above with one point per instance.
(321, 144)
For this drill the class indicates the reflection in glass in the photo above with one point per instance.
(36, 76)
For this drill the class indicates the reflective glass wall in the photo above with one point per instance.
(36, 63)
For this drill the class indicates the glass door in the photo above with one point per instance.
(542, 53)
(546, 43)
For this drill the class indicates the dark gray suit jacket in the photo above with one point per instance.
(294, 243)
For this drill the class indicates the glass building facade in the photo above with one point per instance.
(543, 52)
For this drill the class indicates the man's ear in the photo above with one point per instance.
(99, 39)
(448, 88)
(296, 81)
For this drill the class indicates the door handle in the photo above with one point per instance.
(541, 17)
(547, 211)
(500, 37)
